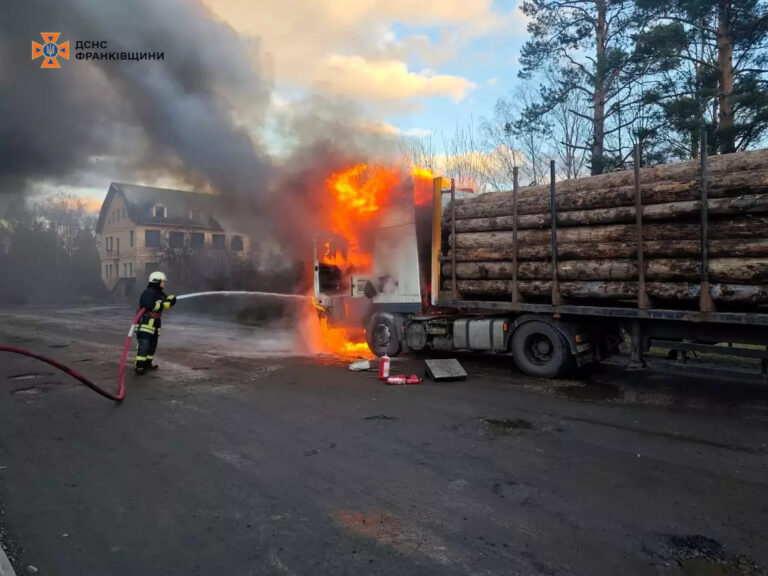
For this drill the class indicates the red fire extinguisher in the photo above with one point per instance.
(384, 367)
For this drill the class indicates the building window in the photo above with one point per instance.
(109, 243)
(118, 246)
(237, 243)
(130, 238)
(176, 239)
(123, 212)
(152, 238)
(159, 211)
(197, 240)
(130, 270)
(125, 270)
(218, 242)
(106, 270)
(194, 215)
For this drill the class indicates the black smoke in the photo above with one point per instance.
(174, 115)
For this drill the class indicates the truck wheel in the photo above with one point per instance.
(541, 350)
(382, 335)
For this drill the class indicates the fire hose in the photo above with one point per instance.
(76, 375)
(121, 374)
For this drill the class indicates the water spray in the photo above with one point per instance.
(120, 395)
(241, 293)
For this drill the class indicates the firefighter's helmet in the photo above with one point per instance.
(157, 277)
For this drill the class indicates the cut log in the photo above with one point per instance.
(500, 203)
(618, 250)
(662, 291)
(732, 270)
(745, 227)
(678, 211)
(719, 166)
(573, 270)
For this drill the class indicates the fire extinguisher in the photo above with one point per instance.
(384, 367)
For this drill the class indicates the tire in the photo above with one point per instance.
(383, 336)
(541, 350)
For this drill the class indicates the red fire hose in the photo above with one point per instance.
(76, 375)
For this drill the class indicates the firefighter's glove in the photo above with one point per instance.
(171, 300)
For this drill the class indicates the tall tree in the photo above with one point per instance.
(714, 55)
(589, 43)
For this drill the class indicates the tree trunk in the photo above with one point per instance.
(600, 89)
(747, 204)
(757, 247)
(725, 77)
(661, 291)
(727, 229)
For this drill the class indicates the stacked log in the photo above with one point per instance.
(597, 235)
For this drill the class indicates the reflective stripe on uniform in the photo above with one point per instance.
(158, 305)
(138, 358)
(148, 329)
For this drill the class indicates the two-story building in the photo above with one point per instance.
(139, 225)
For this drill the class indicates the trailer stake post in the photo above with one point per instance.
(705, 297)
(556, 299)
(642, 295)
(516, 297)
(454, 291)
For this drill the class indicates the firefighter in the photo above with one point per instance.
(154, 301)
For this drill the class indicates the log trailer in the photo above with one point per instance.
(412, 299)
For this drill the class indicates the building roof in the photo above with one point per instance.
(140, 201)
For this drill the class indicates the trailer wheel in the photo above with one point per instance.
(382, 335)
(541, 350)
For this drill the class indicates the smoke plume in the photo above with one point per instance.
(56, 123)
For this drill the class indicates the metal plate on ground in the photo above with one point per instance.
(449, 369)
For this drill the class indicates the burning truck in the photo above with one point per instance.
(554, 275)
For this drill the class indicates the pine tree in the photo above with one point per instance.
(713, 55)
(589, 42)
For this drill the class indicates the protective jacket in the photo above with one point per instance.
(154, 301)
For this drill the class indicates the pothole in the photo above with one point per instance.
(697, 555)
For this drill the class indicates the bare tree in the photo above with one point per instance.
(419, 151)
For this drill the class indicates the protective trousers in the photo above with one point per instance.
(145, 351)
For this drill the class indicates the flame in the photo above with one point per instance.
(321, 338)
(356, 196)
(340, 343)
(422, 185)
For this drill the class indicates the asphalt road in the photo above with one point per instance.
(243, 456)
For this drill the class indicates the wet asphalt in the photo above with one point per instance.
(244, 455)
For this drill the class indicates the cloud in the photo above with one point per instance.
(390, 130)
(350, 47)
(383, 80)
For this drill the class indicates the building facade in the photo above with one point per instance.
(141, 228)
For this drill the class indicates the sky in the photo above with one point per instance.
(405, 67)
(411, 70)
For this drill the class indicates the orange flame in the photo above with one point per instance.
(321, 338)
(356, 196)
(422, 185)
